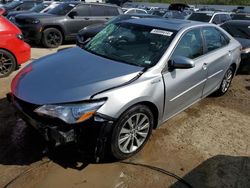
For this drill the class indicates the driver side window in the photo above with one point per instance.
(190, 45)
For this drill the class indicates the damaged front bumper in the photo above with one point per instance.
(94, 132)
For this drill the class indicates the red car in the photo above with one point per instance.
(13, 50)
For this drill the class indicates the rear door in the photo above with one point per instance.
(218, 57)
(79, 21)
(185, 86)
(99, 14)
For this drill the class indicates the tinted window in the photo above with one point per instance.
(62, 9)
(202, 17)
(190, 45)
(83, 10)
(216, 19)
(111, 11)
(224, 18)
(237, 30)
(39, 7)
(214, 38)
(140, 11)
(26, 6)
(97, 10)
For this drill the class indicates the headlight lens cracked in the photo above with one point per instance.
(71, 113)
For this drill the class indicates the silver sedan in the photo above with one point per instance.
(130, 78)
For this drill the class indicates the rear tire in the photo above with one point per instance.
(226, 82)
(131, 132)
(7, 63)
(52, 38)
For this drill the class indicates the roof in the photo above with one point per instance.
(212, 12)
(238, 22)
(171, 24)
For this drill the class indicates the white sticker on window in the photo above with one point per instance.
(161, 32)
(72, 5)
(248, 27)
(209, 14)
(147, 62)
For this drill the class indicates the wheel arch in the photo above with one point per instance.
(153, 109)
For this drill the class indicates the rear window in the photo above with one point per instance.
(201, 17)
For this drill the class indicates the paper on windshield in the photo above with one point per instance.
(161, 32)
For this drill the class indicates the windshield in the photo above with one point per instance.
(12, 5)
(62, 9)
(130, 43)
(201, 17)
(39, 7)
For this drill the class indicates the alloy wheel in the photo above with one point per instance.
(227, 80)
(134, 133)
(6, 64)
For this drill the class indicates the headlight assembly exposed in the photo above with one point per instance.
(71, 113)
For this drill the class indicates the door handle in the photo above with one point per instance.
(204, 66)
(86, 18)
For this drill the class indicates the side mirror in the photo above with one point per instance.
(72, 14)
(180, 62)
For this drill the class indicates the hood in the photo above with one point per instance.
(93, 27)
(91, 30)
(35, 15)
(14, 13)
(68, 76)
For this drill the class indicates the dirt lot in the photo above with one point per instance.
(208, 145)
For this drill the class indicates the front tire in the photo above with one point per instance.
(7, 63)
(131, 132)
(52, 38)
(226, 82)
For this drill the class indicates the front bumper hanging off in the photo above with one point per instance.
(93, 133)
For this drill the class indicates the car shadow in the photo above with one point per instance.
(219, 171)
(22, 144)
(244, 68)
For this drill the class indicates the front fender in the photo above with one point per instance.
(142, 90)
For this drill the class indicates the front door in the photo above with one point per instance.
(184, 86)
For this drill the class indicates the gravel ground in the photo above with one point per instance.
(208, 145)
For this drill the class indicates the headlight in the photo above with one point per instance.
(71, 113)
(12, 18)
(19, 36)
(35, 21)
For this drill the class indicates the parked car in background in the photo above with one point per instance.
(13, 50)
(158, 12)
(240, 30)
(63, 22)
(210, 17)
(87, 33)
(20, 5)
(241, 16)
(178, 6)
(175, 14)
(42, 8)
(135, 11)
(130, 78)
